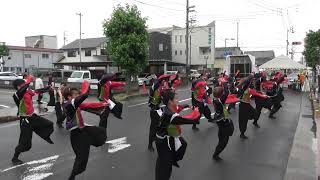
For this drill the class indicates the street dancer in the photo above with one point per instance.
(171, 146)
(225, 124)
(29, 121)
(59, 104)
(82, 136)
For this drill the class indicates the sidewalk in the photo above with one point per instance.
(302, 163)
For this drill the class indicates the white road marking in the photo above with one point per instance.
(38, 176)
(205, 117)
(1, 105)
(117, 144)
(135, 105)
(7, 92)
(41, 161)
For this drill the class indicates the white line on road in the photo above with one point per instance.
(117, 144)
(205, 117)
(38, 176)
(41, 161)
(1, 105)
(7, 92)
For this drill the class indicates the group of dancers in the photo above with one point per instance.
(165, 127)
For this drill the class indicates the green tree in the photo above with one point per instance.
(4, 50)
(312, 50)
(128, 40)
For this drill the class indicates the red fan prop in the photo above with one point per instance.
(193, 115)
(232, 98)
(29, 79)
(253, 92)
(85, 87)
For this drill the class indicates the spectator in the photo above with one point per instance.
(39, 85)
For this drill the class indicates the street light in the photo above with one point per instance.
(227, 39)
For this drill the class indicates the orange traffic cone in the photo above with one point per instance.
(144, 88)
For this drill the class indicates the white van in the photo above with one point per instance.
(80, 76)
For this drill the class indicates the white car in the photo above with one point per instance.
(146, 78)
(194, 74)
(171, 72)
(9, 76)
(292, 77)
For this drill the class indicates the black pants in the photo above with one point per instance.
(81, 140)
(223, 141)
(41, 126)
(52, 99)
(61, 116)
(276, 107)
(40, 97)
(246, 112)
(166, 158)
(155, 120)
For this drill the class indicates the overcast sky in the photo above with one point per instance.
(263, 23)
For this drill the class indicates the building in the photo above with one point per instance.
(28, 59)
(221, 53)
(261, 56)
(93, 55)
(201, 42)
(42, 41)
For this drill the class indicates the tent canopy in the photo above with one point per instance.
(282, 62)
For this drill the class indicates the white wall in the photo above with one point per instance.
(199, 38)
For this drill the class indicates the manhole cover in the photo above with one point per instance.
(307, 115)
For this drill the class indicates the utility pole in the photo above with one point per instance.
(291, 31)
(188, 10)
(237, 33)
(80, 15)
(192, 21)
(64, 38)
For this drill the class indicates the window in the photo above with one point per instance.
(87, 52)
(160, 47)
(180, 38)
(27, 55)
(180, 52)
(86, 76)
(71, 53)
(176, 52)
(176, 39)
(45, 56)
(103, 52)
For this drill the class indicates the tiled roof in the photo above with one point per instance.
(85, 43)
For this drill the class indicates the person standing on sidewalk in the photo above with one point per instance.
(39, 85)
(29, 121)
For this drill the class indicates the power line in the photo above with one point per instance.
(173, 2)
(158, 6)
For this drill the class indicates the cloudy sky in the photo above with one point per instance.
(263, 23)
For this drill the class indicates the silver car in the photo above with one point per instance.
(9, 76)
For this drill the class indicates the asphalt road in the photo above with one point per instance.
(263, 157)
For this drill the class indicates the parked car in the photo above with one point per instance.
(194, 74)
(80, 76)
(292, 78)
(146, 78)
(9, 76)
(171, 72)
(61, 75)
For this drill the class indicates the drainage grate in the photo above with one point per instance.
(307, 115)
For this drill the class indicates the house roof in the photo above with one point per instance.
(85, 43)
(161, 30)
(22, 48)
(261, 56)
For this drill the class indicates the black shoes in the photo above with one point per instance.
(242, 136)
(217, 158)
(48, 139)
(272, 117)
(256, 124)
(195, 128)
(59, 125)
(16, 161)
